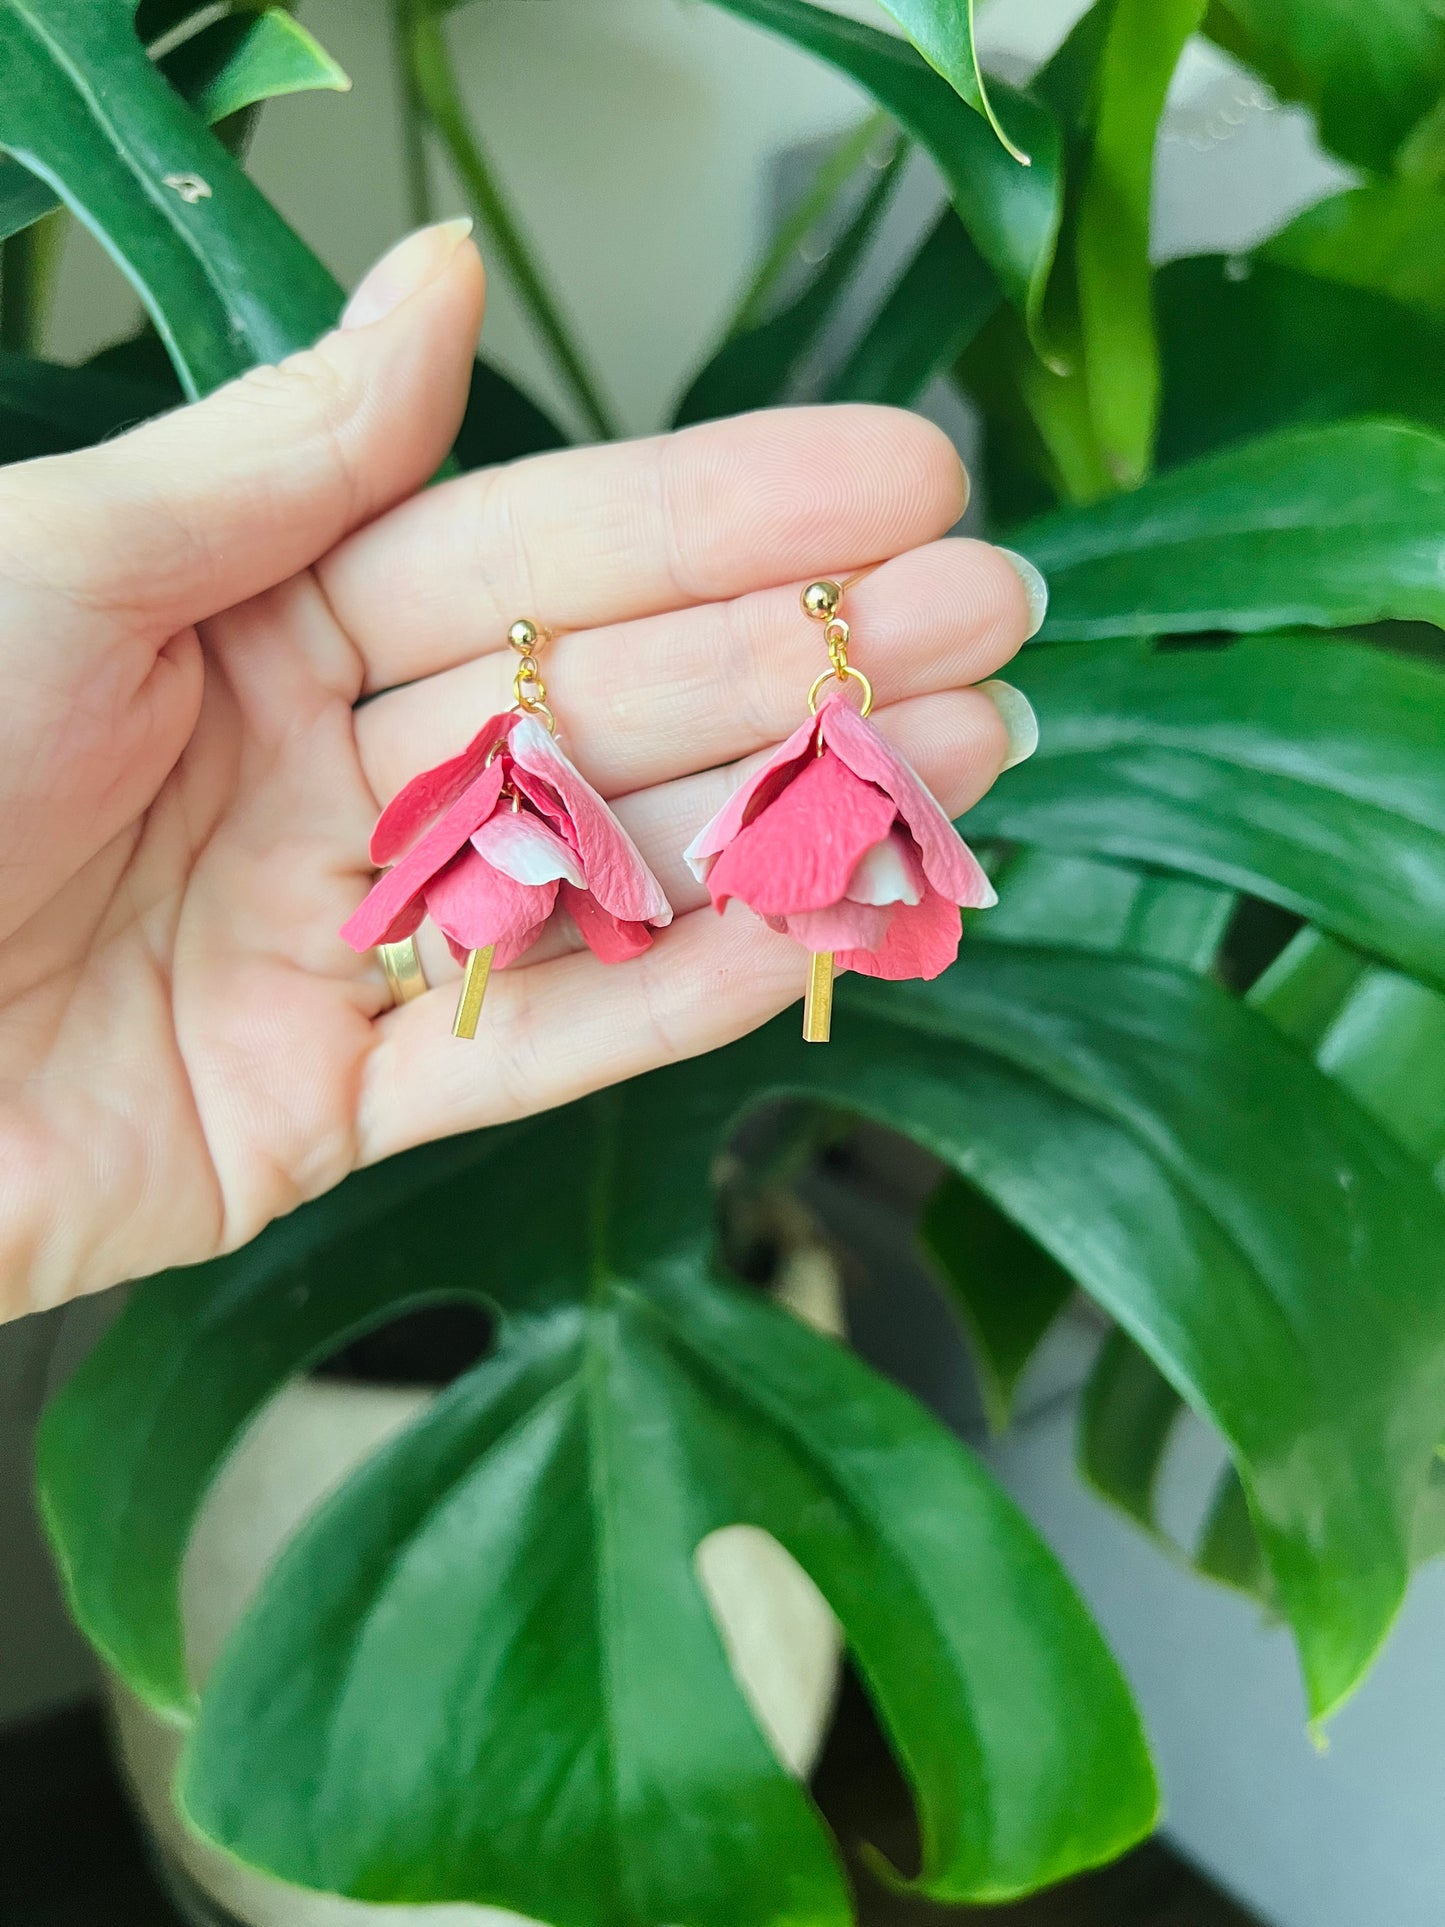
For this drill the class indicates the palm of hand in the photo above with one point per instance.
(187, 1048)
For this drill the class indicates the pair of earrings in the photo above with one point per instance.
(834, 841)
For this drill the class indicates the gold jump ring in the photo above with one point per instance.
(845, 675)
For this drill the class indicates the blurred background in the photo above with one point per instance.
(649, 146)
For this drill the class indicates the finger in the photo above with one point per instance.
(214, 503)
(563, 1029)
(644, 702)
(598, 535)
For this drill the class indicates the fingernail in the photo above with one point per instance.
(402, 270)
(1021, 725)
(1035, 588)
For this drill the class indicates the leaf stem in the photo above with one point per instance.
(27, 269)
(437, 91)
(413, 120)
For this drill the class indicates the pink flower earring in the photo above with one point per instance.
(495, 843)
(838, 843)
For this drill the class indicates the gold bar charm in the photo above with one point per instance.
(818, 1005)
(474, 989)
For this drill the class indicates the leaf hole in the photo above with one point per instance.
(783, 1644)
(864, 1794)
(1258, 933)
(428, 1346)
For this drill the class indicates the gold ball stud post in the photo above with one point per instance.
(523, 636)
(822, 600)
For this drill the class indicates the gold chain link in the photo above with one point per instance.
(528, 689)
(821, 601)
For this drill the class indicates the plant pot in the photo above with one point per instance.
(781, 1638)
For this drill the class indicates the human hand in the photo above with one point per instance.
(189, 618)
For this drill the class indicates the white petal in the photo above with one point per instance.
(888, 873)
(521, 846)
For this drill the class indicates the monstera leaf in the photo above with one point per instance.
(196, 239)
(530, 1542)
(1322, 526)
(525, 1557)
(1381, 1035)
(1304, 770)
(1251, 346)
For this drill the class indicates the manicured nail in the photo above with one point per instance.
(1020, 723)
(401, 271)
(1035, 588)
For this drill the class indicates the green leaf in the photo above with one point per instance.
(1387, 237)
(1111, 236)
(244, 58)
(1049, 898)
(196, 263)
(502, 422)
(1254, 1231)
(129, 1451)
(1320, 526)
(1228, 1547)
(1008, 1291)
(807, 218)
(24, 198)
(1382, 1037)
(1189, 1168)
(232, 63)
(1126, 1420)
(1368, 72)
(943, 32)
(761, 366)
(1012, 212)
(1377, 1032)
(1305, 771)
(1253, 346)
(935, 308)
(523, 1559)
(46, 410)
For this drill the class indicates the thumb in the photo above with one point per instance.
(215, 502)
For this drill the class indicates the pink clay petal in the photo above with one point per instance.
(524, 848)
(475, 905)
(393, 896)
(922, 941)
(842, 926)
(799, 852)
(888, 873)
(426, 796)
(763, 785)
(611, 862)
(405, 924)
(507, 953)
(546, 803)
(610, 939)
(949, 864)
